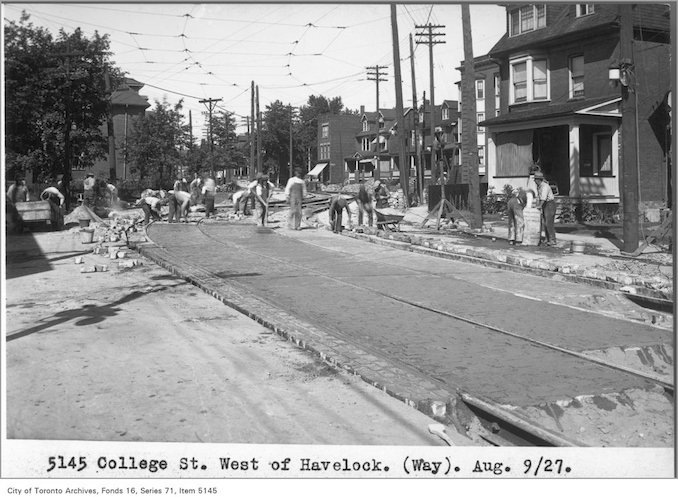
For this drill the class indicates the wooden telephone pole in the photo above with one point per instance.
(430, 41)
(252, 168)
(259, 157)
(402, 129)
(469, 127)
(629, 151)
(417, 156)
(375, 72)
(210, 103)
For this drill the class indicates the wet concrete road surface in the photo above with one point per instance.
(367, 302)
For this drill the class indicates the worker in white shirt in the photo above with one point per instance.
(547, 204)
(262, 189)
(209, 192)
(88, 190)
(295, 190)
(179, 204)
(112, 193)
(151, 205)
(53, 194)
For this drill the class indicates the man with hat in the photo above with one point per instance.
(546, 202)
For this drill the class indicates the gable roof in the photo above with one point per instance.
(648, 20)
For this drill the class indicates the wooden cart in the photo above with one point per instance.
(41, 211)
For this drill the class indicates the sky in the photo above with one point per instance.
(214, 50)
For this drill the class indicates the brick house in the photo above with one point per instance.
(559, 108)
(486, 93)
(336, 142)
(127, 106)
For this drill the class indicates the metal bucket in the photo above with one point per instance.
(86, 235)
(578, 247)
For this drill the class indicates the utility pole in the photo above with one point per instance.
(291, 157)
(259, 158)
(375, 72)
(210, 103)
(112, 163)
(251, 133)
(190, 128)
(402, 130)
(469, 120)
(430, 41)
(628, 141)
(417, 159)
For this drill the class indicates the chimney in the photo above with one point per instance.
(362, 109)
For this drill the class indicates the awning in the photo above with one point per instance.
(317, 169)
(366, 161)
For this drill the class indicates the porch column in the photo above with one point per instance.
(575, 190)
(491, 160)
(615, 157)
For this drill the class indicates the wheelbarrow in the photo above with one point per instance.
(388, 219)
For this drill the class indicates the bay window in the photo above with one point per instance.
(529, 80)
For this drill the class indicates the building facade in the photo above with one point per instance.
(336, 141)
(559, 108)
(127, 106)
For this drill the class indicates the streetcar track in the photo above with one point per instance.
(665, 384)
(519, 428)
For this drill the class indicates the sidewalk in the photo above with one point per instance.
(649, 276)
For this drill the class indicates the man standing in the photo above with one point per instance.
(88, 193)
(364, 200)
(516, 222)
(546, 202)
(194, 188)
(295, 191)
(337, 206)
(17, 192)
(209, 192)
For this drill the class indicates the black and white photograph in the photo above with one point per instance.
(324, 240)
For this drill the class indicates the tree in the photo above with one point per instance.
(225, 154)
(276, 138)
(158, 144)
(56, 100)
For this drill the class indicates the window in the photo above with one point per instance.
(480, 89)
(480, 116)
(365, 143)
(584, 9)
(325, 130)
(529, 80)
(481, 155)
(577, 76)
(497, 94)
(527, 18)
(381, 123)
(602, 155)
(446, 113)
(366, 126)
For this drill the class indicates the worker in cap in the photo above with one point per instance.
(547, 204)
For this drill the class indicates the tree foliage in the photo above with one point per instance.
(54, 86)
(158, 144)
